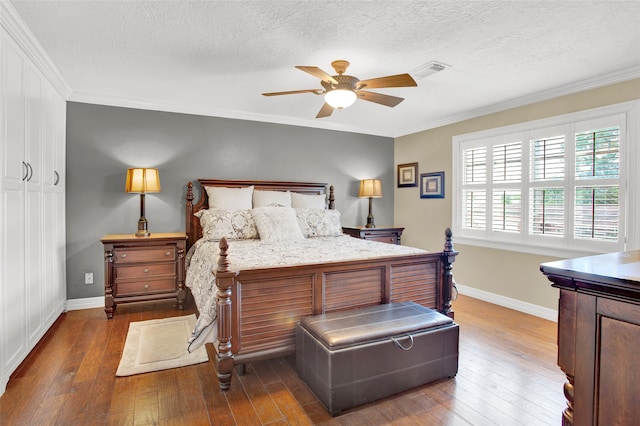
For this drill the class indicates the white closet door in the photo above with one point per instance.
(14, 170)
(13, 297)
(34, 207)
(14, 167)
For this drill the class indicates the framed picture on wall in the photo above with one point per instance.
(432, 185)
(407, 175)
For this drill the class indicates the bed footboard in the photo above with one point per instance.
(258, 309)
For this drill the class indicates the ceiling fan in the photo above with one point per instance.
(341, 90)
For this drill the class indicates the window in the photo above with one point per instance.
(556, 184)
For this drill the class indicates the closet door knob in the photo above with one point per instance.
(57, 178)
(26, 171)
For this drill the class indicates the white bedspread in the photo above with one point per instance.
(253, 254)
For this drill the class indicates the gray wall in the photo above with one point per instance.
(103, 141)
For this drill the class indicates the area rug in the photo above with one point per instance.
(159, 344)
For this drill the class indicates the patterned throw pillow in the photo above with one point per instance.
(319, 222)
(233, 224)
(277, 224)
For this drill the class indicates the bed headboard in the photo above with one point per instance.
(193, 230)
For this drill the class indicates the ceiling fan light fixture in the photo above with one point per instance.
(340, 98)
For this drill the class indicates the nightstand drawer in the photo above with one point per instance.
(145, 287)
(389, 239)
(146, 254)
(145, 271)
(389, 235)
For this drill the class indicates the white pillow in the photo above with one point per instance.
(233, 224)
(271, 199)
(277, 224)
(229, 198)
(319, 222)
(308, 201)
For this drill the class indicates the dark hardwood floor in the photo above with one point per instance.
(507, 376)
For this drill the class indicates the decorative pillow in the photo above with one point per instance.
(233, 224)
(308, 201)
(276, 224)
(229, 198)
(271, 199)
(319, 222)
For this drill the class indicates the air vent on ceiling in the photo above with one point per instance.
(427, 69)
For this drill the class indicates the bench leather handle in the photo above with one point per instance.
(398, 344)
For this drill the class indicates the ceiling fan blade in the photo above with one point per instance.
(379, 98)
(325, 111)
(293, 92)
(317, 72)
(400, 80)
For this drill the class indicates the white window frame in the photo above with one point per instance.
(565, 246)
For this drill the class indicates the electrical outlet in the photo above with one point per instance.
(88, 277)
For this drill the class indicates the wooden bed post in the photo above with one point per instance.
(224, 282)
(448, 257)
(189, 212)
(332, 199)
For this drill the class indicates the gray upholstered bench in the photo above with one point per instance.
(353, 357)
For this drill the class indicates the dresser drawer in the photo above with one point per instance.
(145, 287)
(145, 271)
(146, 254)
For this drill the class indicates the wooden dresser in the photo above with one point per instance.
(599, 337)
(138, 269)
(382, 234)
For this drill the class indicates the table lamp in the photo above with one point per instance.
(142, 181)
(370, 188)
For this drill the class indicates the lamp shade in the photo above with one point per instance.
(142, 181)
(370, 188)
(340, 98)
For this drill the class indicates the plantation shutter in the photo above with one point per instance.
(474, 197)
(506, 202)
(597, 209)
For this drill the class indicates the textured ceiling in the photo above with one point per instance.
(217, 57)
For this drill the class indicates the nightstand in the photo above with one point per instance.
(139, 269)
(381, 234)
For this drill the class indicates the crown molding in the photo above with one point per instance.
(15, 27)
(556, 92)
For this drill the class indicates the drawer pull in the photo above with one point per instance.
(146, 286)
(168, 253)
(123, 255)
(146, 270)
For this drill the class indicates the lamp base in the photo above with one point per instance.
(142, 228)
(370, 223)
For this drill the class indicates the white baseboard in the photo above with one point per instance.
(507, 302)
(85, 303)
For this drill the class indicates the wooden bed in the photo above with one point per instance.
(259, 308)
